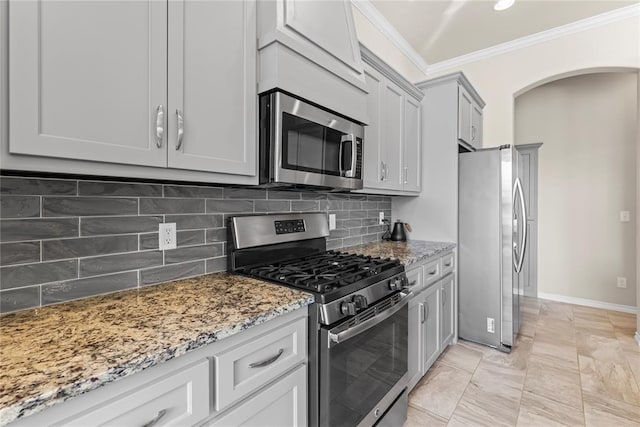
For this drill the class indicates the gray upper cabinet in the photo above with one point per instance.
(393, 138)
(77, 93)
(461, 124)
(212, 75)
(146, 89)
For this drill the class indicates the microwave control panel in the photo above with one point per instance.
(289, 226)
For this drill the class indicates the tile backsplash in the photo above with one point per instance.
(65, 239)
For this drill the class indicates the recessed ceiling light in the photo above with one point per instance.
(503, 4)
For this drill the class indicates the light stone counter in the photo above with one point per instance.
(50, 354)
(406, 252)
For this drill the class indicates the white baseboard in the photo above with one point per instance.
(590, 303)
(638, 337)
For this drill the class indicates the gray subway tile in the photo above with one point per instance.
(245, 193)
(183, 238)
(368, 238)
(272, 206)
(171, 206)
(82, 288)
(334, 244)
(349, 223)
(338, 196)
(351, 205)
(229, 206)
(98, 188)
(192, 253)
(340, 214)
(305, 206)
(334, 234)
(217, 235)
(94, 226)
(187, 222)
(88, 206)
(375, 229)
(334, 205)
(283, 195)
(357, 231)
(369, 205)
(215, 265)
(352, 241)
(34, 274)
(357, 214)
(19, 253)
(115, 263)
(19, 299)
(314, 196)
(384, 205)
(370, 221)
(88, 246)
(12, 230)
(169, 273)
(192, 191)
(37, 187)
(19, 206)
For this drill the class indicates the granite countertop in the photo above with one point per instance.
(406, 252)
(50, 354)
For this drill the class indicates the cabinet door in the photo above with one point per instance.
(212, 86)
(416, 322)
(412, 146)
(431, 328)
(373, 155)
(447, 302)
(392, 130)
(476, 126)
(464, 115)
(87, 79)
(282, 404)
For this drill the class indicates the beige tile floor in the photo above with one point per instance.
(571, 366)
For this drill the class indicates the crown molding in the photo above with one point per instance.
(458, 77)
(381, 23)
(541, 37)
(383, 68)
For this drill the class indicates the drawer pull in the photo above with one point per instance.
(413, 283)
(448, 264)
(268, 361)
(157, 418)
(433, 272)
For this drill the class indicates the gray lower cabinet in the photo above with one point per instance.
(256, 377)
(432, 313)
(152, 89)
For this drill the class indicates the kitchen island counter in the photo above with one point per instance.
(407, 253)
(50, 354)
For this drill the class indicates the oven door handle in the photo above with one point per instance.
(357, 329)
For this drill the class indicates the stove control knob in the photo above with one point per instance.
(395, 284)
(360, 301)
(348, 308)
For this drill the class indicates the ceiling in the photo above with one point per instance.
(443, 29)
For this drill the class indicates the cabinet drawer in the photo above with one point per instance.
(181, 398)
(448, 264)
(283, 403)
(248, 366)
(414, 278)
(431, 272)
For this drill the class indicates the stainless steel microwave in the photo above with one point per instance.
(304, 145)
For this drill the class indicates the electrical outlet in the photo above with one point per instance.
(332, 221)
(381, 218)
(622, 282)
(167, 236)
(491, 325)
(625, 216)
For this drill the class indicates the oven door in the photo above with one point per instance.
(363, 364)
(312, 146)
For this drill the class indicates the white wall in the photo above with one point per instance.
(586, 176)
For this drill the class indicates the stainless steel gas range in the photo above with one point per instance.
(357, 326)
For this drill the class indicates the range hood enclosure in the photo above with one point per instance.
(310, 49)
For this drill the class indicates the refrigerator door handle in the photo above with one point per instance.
(523, 210)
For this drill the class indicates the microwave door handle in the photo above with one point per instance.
(350, 173)
(340, 156)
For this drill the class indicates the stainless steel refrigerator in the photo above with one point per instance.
(492, 236)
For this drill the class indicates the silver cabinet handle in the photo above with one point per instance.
(159, 126)
(413, 283)
(433, 272)
(448, 264)
(422, 313)
(406, 175)
(426, 316)
(268, 361)
(157, 418)
(381, 171)
(473, 133)
(444, 297)
(180, 128)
